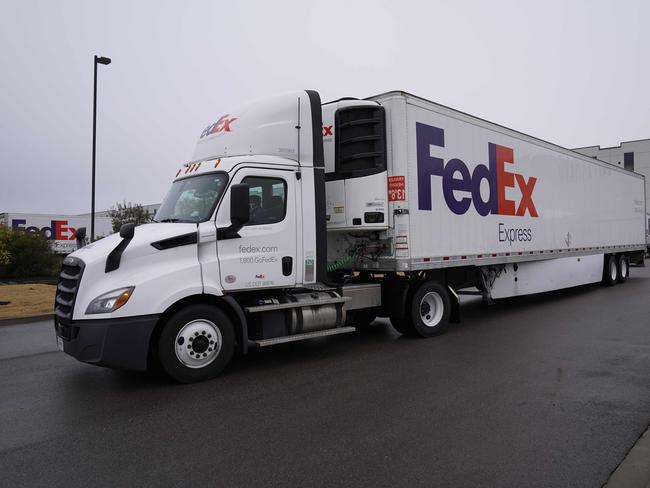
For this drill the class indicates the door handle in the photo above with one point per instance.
(287, 265)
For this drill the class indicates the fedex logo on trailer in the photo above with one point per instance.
(495, 174)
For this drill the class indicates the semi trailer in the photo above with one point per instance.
(296, 219)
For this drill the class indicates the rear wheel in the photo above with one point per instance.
(430, 309)
(196, 343)
(623, 268)
(610, 271)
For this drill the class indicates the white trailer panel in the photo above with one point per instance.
(517, 279)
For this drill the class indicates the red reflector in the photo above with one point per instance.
(446, 258)
(463, 257)
(494, 255)
(426, 260)
(479, 256)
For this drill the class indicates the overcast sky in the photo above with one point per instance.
(572, 72)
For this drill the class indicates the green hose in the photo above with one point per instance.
(340, 263)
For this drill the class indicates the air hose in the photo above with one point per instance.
(340, 263)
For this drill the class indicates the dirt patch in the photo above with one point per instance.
(26, 300)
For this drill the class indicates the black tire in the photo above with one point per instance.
(202, 324)
(623, 264)
(610, 270)
(430, 309)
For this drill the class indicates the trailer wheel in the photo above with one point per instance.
(623, 268)
(196, 343)
(430, 309)
(610, 271)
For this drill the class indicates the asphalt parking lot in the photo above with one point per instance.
(543, 391)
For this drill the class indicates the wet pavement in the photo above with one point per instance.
(544, 391)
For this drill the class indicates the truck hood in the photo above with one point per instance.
(144, 236)
(150, 269)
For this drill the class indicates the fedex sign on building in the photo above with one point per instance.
(58, 229)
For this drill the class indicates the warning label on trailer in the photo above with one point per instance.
(396, 188)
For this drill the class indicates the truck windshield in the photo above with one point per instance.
(192, 199)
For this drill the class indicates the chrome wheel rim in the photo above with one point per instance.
(198, 343)
(431, 309)
(623, 268)
(612, 270)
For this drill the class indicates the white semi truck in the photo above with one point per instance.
(295, 220)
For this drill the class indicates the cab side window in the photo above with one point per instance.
(268, 197)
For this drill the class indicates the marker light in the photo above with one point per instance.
(111, 301)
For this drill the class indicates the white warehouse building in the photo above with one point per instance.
(631, 155)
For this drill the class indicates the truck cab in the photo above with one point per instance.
(242, 224)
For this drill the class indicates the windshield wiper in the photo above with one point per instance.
(168, 220)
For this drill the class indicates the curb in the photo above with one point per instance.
(634, 470)
(26, 320)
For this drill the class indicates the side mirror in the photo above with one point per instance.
(127, 231)
(80, 236)
(239, 205)
(239, 211)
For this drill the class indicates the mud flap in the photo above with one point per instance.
(394, 296)
(454, 317)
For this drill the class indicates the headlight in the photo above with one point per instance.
(111, 301)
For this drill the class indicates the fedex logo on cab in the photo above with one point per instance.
(220, 126)
(461, 188)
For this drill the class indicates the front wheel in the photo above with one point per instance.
(196, 343)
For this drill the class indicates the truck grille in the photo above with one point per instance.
(66, 289)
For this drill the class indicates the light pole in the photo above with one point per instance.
(105, 61)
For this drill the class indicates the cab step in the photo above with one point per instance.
(307, 335)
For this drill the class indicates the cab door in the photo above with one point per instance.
(264, 254)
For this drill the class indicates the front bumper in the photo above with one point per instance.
(116, 343)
